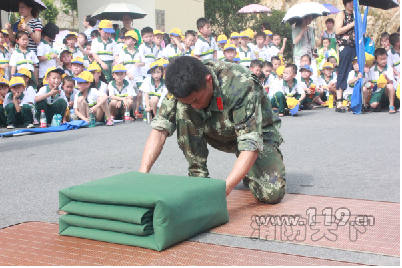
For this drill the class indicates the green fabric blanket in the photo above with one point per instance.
(144, 210)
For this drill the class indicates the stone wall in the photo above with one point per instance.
(65, 21)
(378, 20)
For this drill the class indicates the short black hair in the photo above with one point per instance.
(85, 36)
(166, 38)
(90, 20)
(32, 4)
(326, 38)
(122, 32)
(185, 75)
(89, 43)
(331, 20)
(191, 32)
(68, 79)
(384, 34)
(293, 66)
(113, 36)
(19, 34)
(308, 56)
(213, 34)
(201, 22)
(261, 34)
(255, 63)
(331, 57)
(50, 30)
(379, 52)
(275, 58)
(267, 25)
(346, 1)
(146, 30)
(157, 67)
(95, 34)
(267, 63)
(275, 34)
(394, 38)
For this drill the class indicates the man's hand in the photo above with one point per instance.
(152, 150)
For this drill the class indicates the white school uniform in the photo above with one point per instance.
(205, 48)
(246, 56)
(106, 52)
(76, 53)
(190, 52)
(45, 48)
(72, 95)
(290, 92)
(5, 59)
(394, 60)
(92, 98)
(263, 54)
(129, 60)
(275, 86)
(23, 60)
(148, 86)
(25, 99)
(374, 74)
(163, 95)
(102, 87)
(126, 91)
(349, 89)
(50, 100)
(274, 50)
(148, 55)
(219, 54)
(171, 51)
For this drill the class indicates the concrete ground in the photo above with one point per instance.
(325, 154)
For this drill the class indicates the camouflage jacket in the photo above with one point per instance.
(239, 115)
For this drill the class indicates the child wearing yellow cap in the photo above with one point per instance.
(176, 47)
(206, 47)
(234, 39)
(4, 57)
(130, 57)
(121, 92)
(222, 41)
(4, 88)
(51, 98)
(71, 39)
(246, 54)
(99, 77)
(90, 100)
(77, 66)
(104, 49)
(229, 52)
(16, 105)
(327, 82)
(153, 88)
(158, 39)
(272, 87)
(30, 89)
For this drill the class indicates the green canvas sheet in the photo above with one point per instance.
(117, 208)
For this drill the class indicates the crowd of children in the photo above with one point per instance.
(109, 79)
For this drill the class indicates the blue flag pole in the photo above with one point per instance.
(356, 103)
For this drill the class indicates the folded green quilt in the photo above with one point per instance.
(144, 210)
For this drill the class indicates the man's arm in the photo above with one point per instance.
(242, 166)
(153, 149)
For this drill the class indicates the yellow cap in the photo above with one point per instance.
(23, 71)
(250, 33)
(369, 59)
(245, 34)
(45, 82)
(4, 32)
(59, 70)
(73, 34)
(119, 68)
(94, 66)
(106, 25)
(154, 65)
(175, 32)
(4, 81)
(85, 76)
(279, 70)
(292, 102)
(229, 46)
(328, 65)
(17, 81)
(398, 92)
(164, 62)
(132, 34)
(222, 39)
(382, 82)
(234, 35)
(268, 32)
(78, 60)
(158, 32)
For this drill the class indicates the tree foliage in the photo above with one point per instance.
(51, 13)
(223, 15)
(285, 30)
(70, 5)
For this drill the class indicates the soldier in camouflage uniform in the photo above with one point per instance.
(238, 117)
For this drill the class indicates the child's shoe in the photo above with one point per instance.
(11, 126)
(110, 123)
(30, 126)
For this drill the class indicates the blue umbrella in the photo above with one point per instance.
(331, 8)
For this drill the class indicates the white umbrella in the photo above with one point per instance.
(297, 12)
(115, 11)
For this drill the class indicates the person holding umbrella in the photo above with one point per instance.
(29, 23)
(345, 37)
(303, 39)
(127, 22)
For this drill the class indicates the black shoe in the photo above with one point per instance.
(246, 182)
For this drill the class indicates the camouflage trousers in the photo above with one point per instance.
(266, 177)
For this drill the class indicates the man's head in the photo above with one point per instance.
(276, 39)
(289, 72)
(394, 40)
(190, 81)
(256, 67)
(326, 42)
(204, 26)
(276, 62)
(147, 35)
(330, 24)
(267, 68)
(381, 56)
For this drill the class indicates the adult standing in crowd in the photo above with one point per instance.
(345, 37)
(127, 22)
(31, 24)
(265, 26)
(304, 41)
(89, 24)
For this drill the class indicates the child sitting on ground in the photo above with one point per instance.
(386, 95)
(90, 100)
(353, 77)
(276, 62)
(325, 52)
(393, 55)
(121, 93)
(99, 78)
(153, 87)
(66, 58)
(50, 98)
(4, 88)
(16, 105)
(307, 84)
(288, 87)
(30, 89)
(70, 91)
(306, 60)
(327, 82)
(273, 88)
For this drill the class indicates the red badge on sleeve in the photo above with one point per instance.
(219, 103)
